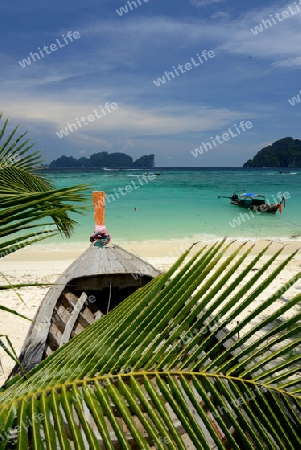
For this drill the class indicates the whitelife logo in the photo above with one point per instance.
(294, 100)
(33, 57)
(221, 139)
(269, 23)
(124, 9)
(188, 66)
(242, 218)
(86, 120)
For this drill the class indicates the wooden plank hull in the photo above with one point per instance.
(93, 285)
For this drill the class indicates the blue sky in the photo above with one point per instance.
(118, 57)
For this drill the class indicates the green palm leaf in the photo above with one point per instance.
(15, 151)
(27, 198)
(173, 367)
(12, 311)
(8, 347)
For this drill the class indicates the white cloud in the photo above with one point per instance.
(277, 43)
(220, 15)
(291, 62)
(126, 121)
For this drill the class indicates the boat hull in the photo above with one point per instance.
(261, 208)
(92, 286)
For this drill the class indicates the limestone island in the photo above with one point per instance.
(285, 152)
(102, 161)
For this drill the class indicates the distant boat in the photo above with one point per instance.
(288, 173)
(137, 176)
(106, 169)
(254, 202)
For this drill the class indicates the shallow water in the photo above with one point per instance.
(184, 203)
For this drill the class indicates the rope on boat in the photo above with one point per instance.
(109, 302)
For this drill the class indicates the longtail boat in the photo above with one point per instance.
(254, 202)
(101, 278)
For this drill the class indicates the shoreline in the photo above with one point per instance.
(148, 248)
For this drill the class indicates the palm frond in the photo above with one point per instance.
(20, 285)
(8, 347)
(201, 357)
(14, 151)
(12, 311)
(27, 198)
(22, 209)
(21, 191)
(13, 288)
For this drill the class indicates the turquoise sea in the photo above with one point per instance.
(184, 203)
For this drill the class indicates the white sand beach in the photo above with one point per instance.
(44, 264)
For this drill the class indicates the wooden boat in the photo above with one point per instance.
(254, 202)
(93, 285)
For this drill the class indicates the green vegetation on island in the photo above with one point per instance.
(285, 152)
(104, 159)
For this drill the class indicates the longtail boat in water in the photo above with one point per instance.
(254, 202)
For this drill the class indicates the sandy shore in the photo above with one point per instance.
(44, 263)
